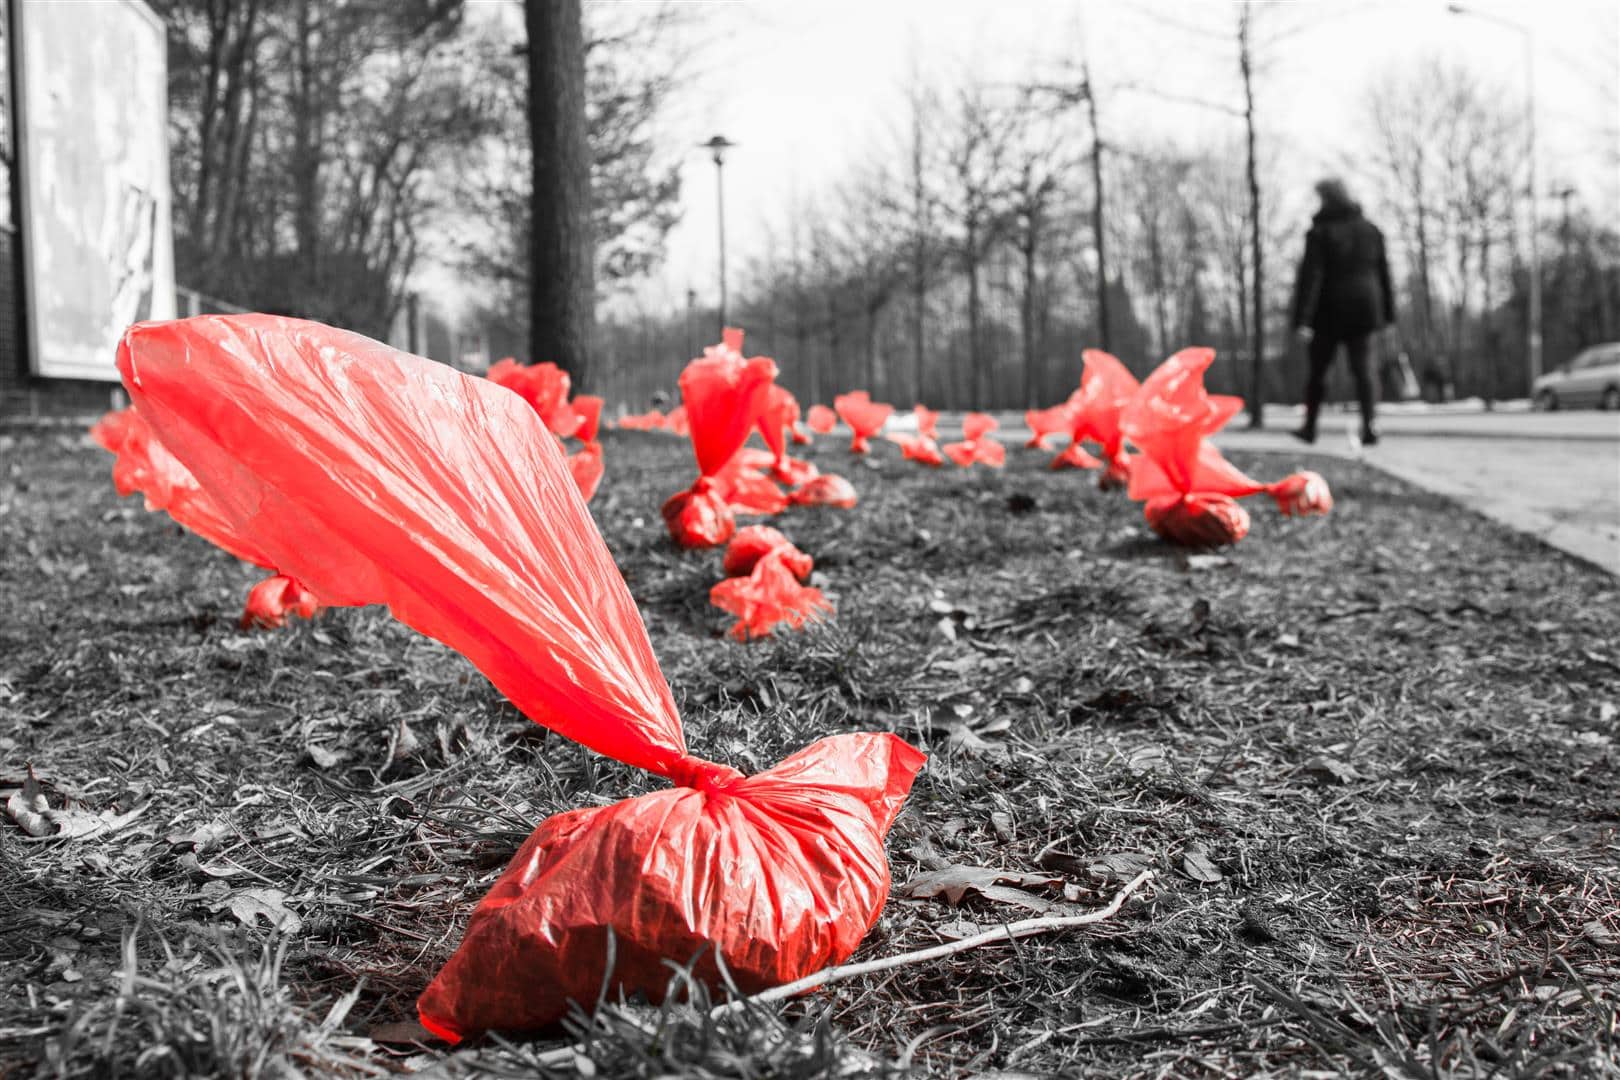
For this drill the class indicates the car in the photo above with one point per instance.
(1592, 378)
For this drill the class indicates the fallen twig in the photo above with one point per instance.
(1023, 928)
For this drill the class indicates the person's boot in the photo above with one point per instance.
(1307, 432)
(1369, 435)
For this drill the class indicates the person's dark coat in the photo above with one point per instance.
(1343, 288)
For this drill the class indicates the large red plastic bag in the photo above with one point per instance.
(978, 445)
(723, 395)
(755, 542)
(1106, 388)
(864, 416)
(367, 473)
(781, 873)
(827, 489)
(768, 596)
(142, 464)
(821, 419)
(1045, 424)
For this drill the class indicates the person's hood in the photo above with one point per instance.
(1337, 212)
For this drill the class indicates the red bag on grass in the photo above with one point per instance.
(763, 587)
(864, 416)
(1106, 388)
(919, 448)
(722, 395)
(821, 419)
(776, 422)
(585, 464)
(1188, 487)
(588, 407)
(1044, 424)
(746, 485)
(368, 474)
(676, 423)
(545, 387)
(827, 489)
(142, 464)
(651, 420)
(977, 445)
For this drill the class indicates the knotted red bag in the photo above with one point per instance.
(723, 396)
(1106, 388)
(978, 445)
(1045, 424)
(864, 416)
(368, 473)
(763, 587)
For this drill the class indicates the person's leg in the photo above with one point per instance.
(1320, 354)
(1359, 350)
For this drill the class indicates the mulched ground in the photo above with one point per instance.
(1370, 760)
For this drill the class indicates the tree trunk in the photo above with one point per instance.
(306, 150)
(1257, 326)
(562, 289)
(1098, 232)
(1031, 256)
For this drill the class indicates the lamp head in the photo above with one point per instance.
(718, 147)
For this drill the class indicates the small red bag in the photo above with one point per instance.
(723, 396)
(1045, 424)
(763, 588)
(142, 464)
(978, 446)
(368, 474)
(588, 407)
(919, 448)
(545, 387)
(864, 416)
(821, 419)
(1302, 494)
(1106, 388)
(827, 489)
(927, 421)
(586, 466)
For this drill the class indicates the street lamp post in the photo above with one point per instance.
(717, 147)
(1533, 332)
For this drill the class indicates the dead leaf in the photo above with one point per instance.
(1002, 824)
(957, 929)
(1121, 866)
(1196, 865)
(28, 806)
(321, 756)
(1334, 769)
(954, 883)
(402, 1031)
(248, 905)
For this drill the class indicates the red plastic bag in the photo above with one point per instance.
(748, 488)
(142, 464)
(273, 599)
(588, 407)
(651, 420)
(826, 489)
(919, 448)
(676, 423)
(723, 396)
(586, 466)
(763, 588)
(1045, 424)
(821, 419)
(769, 596)
(368, 474)
(1302, 494)
(1186, 485)
(755, 542)
(1106, 388)
(864, 416)
(978, 446)
(777, 421)
(545, 387)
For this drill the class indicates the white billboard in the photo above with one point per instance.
(93, 144)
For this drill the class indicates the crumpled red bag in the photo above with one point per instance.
(978, 446)
(1106, 388)
(545, 387)
(821, 419)
(651, 420)
(676, 422)
(585, 464)
(755, 542)
(273, 599)
(142, 464)
(588, 407)
(777, 421)
(1045, 424)
(723, 396)
(770, 594)
(864, 416)
(1187, 486)
(746, 485)
(827, 489)
(919, 448)
(781, 873)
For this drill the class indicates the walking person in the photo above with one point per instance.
(1342, 296)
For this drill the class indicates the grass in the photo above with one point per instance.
(1370, 759)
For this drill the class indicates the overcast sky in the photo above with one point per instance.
(808, 88)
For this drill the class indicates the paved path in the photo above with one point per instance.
(1555, 476)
